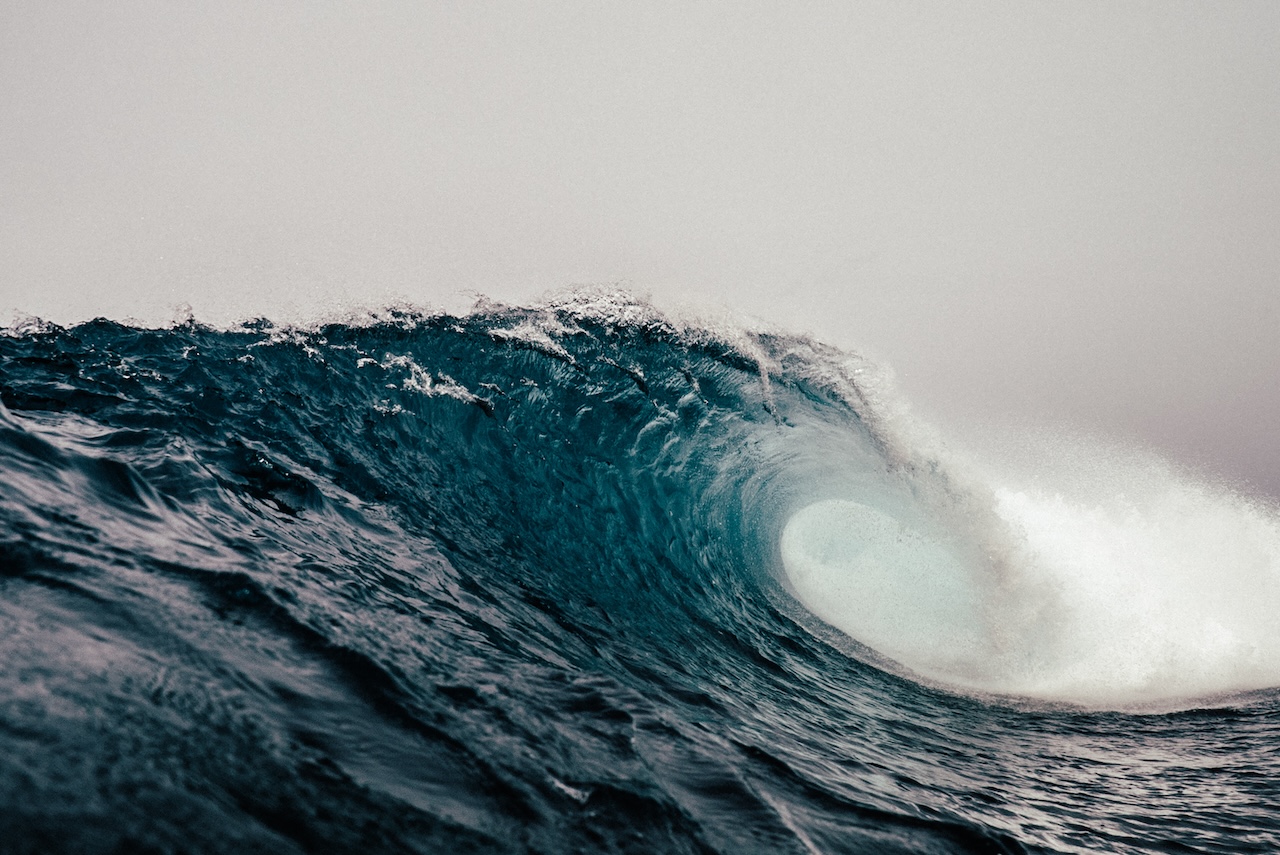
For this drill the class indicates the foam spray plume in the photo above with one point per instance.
(1108, 579)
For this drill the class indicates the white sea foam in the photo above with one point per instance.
(1101, 577)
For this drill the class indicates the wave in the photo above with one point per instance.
(579, 575)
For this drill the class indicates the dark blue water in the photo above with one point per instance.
(508, 582)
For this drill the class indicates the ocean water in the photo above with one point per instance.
(585, 578)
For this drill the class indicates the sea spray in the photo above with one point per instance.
(1124, 582)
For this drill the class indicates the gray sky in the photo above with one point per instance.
(1069, 211)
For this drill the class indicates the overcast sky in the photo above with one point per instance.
(1067, 211)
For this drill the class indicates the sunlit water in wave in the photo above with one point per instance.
(583, 578)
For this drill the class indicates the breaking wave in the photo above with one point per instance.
(583, 576)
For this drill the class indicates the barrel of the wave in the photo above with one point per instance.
(900, 591)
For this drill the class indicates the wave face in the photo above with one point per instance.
(582, 578)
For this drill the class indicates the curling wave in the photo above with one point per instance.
(585, 577)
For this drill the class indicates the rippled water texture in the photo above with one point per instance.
(580, 578)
